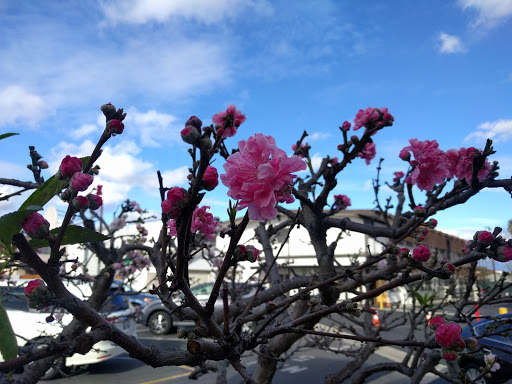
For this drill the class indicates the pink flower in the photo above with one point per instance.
(204, 222)
(210, 178)
(431, 168)
(229, 120)
(70, 165)
(373, 116)
(368, 152)
(460, 164)
(115, 126)
(81, 181)
(404, 155)
(436, 321)
(171, 205)
(448, 334)
(217, 262)
(259, 175)
(99, 190)
(450, 268)
(95, 201)
(345, 126)
(33, 284)
(136, 206)
(171, 224)
(421, 253)
(36, 226)
(485, 237)
(341, 202)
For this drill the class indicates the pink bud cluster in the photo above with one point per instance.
(368, 153)
(210, 178)
(432, 165)
(373, 117)
(246, 253)
(448, 336)
(228, 121)
(398, 176)
(134, 262)
(341, 202)
(176, 197)
(118, 223)
(302, 151)
(202, 221)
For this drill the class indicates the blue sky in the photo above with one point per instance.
(443, 68)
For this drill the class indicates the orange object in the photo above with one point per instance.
(429, 316)
(477, 313)
(376, 320)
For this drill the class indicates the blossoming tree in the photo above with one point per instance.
(261, 178)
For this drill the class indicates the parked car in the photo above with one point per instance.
(499, 343)
(138, 299)
(160, 320)
(31, 328)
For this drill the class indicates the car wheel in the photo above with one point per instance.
(160, 323)
(472, 372)
(56, 368)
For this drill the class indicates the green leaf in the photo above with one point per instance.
(45, 192)
(6, 135)
(48, 190)
(8, 346)
(418, 297)
(10, 224)
(74, 234)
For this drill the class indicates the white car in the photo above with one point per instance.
(30, 326)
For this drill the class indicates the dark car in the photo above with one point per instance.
(159, 319)
(499, 343)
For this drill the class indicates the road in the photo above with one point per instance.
(308, 366)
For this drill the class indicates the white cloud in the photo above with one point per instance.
(498, 130)
(84, 130)
(154, 128)
(318, 136)
(121, 169)
(489, 12)
(208, 12)
(18, 106)
(450, 44)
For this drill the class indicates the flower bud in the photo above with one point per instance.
(42, 164)
(419, 211)
(191, 135)
(345, 126)
(81, 181)
(182, 333)
(171, 206)
(116, 127)
(404, 253)
(95, 170)
(95, 201)
(66, 194)
(80, 203)
(449, 354)
(485, 237)
(471, 343)
(449, 268)
(432, 223)
(421, 253)
(435, 322)
(69, 166)
(108, 110)
(195, 122)
(205, 143)
(36, 226)
(210, 178)
(354, 139)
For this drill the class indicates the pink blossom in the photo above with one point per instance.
(431, 168)
(448, 334)
(217, 262)
(373, 116)
(460, 164)
(136, 206)
(341, 201)
(171, 205)
(421, 253)
(210, 178)
(36, 226)
(99, 190)
(485, 237)
(507, 253)
(115, 126)
(194, 121)
(259, 175)
(404, 155)
(190, 134)
(345, 126)
(81, 181)
(171, 224)
(229, 120)
(435, 322)
(70, 165)
(368, 152)
(118, 223)
(33, 284)
(204, 222)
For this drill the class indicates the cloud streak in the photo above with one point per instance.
(450, 44)
(498, 130)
